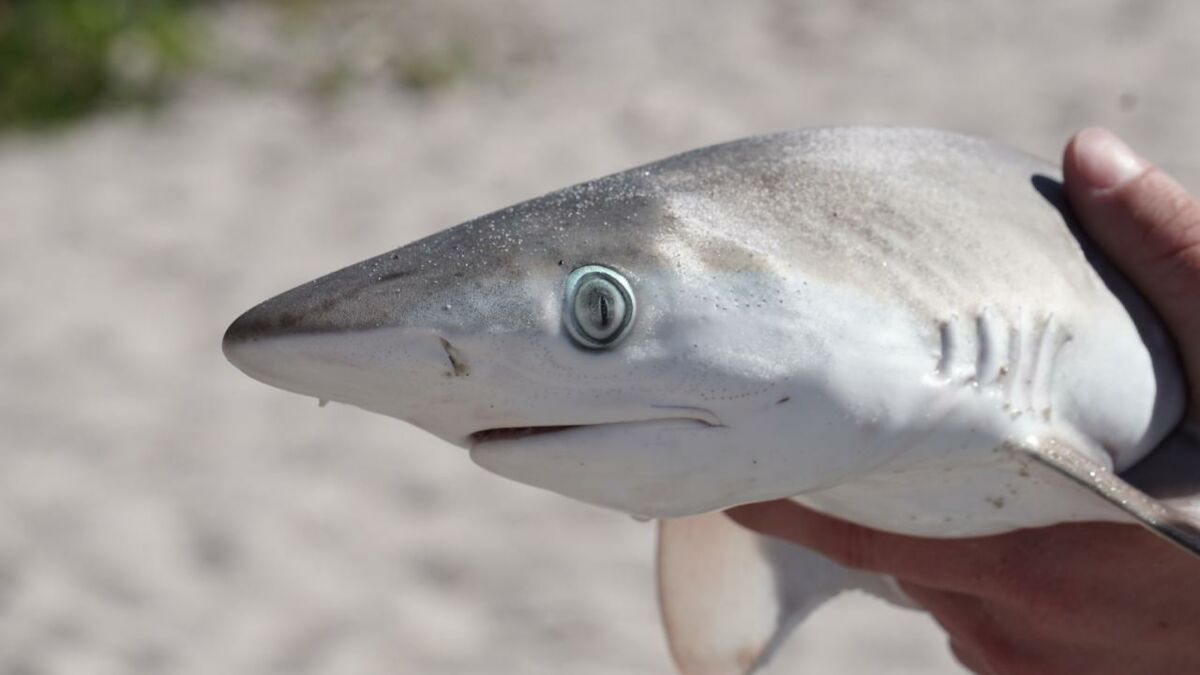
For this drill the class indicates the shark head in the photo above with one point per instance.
(640, 341)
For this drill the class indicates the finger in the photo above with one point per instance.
(1032, 567)
(991, 637)
(960, 614)
(963, 617)
(1147, 224)
(976, 565)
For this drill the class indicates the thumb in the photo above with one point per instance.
(1147, 224)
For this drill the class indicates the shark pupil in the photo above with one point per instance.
(599, 306)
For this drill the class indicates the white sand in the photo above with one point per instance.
(162, 513)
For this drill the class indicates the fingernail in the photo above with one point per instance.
(1104, 160)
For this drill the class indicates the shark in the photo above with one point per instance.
(903, 328)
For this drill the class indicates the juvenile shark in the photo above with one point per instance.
(898, 327)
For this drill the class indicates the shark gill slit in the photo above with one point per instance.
(985, 351)
(1039, 394)
(1012, 387)
(945, 362)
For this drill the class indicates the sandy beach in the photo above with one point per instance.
(162, 513)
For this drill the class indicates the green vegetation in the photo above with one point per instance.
(61, 59)
(432, 70)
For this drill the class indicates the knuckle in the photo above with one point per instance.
(1180, 212)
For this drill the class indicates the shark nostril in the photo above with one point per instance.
(458, 365)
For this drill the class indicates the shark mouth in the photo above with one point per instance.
(501, 434)
(516, 433)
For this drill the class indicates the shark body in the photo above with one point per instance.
(898, 327)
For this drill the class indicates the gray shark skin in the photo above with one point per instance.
(899, 327)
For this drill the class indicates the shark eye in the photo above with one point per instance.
(598, 306)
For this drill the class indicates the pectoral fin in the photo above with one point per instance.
(1162, 492)
(729, 597)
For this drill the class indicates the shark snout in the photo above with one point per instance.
(263, 322)
(330, 334)
(274, 341)
(369, 367)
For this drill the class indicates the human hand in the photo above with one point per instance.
(1075, 598)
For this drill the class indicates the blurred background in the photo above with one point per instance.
(165, 164)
